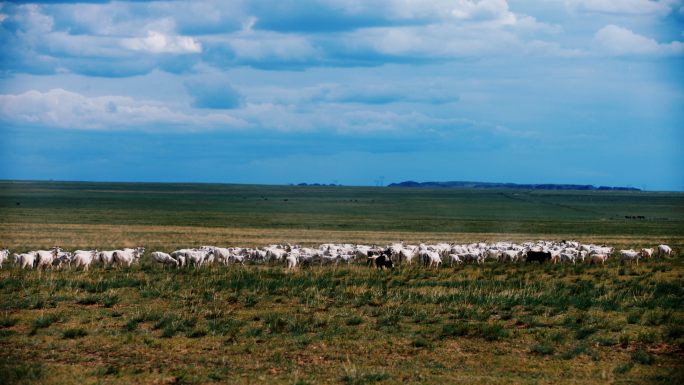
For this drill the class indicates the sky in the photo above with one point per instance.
(351, 92)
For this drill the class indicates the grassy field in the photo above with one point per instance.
(350, 325)
(105, 215)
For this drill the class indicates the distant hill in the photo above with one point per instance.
(510, 186)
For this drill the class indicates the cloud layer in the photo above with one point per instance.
(479, 82)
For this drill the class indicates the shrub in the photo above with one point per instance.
(528, 321)
(11, 372)
(197, 333)
(673, 332)
(168, 332)
(388, 321)
(7, 321)
(576, 350)
(254, 332)
(74, 333)
(110, 300)
(634, 318)
(647, 337)
(456, 329)
(421, 342)
(131, 324)
(653, 318)
(624, 340)
(558, 337)
(45, 321)
(275, 323)
(643, 358)
(607, 341)
(581, 303)
(354, 321)
(624, 368)
(89, 300)
(249, 301)
(584, 332)
(491, 332)
(542, 349)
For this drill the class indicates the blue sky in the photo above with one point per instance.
(318, 91)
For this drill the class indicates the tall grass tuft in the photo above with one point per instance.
(352, 376)
(74, 333)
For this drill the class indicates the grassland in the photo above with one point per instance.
(470, 324)
(105, 215)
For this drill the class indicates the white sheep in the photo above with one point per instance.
(25, 260)
(291, 261)
(127, 256)
(664, 250)
(4, 254)
(84, 258)
(163, 259)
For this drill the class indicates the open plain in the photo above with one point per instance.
(491, 323)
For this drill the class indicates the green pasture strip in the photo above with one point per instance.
(344, 208)
(479, 324)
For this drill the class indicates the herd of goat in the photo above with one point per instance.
(430, 256)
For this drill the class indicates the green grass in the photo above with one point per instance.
(298, 209)
(308, 325)
(514, 323)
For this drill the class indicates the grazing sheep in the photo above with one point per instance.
(434, 260)
(454, 259)
(568, 258)
(647, 253)
(291, 261)
(62, 258)
(84, 258)
(665, 250)
(105, 258)
(158, 257)
(25, 260)
(44, 258)
(4, 254)
(629, 255)
(597, 259)
(127, 256)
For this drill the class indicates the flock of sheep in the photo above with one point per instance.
(430, 256)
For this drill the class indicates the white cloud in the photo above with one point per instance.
(59, 108)
(620, 41)
(157, 42)
(371, 94)
(61, 43)
(252, 45)
(62, 109)
(526, 23)
(634, 7)
(431, 11)
(31, 20)
(438, 41)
